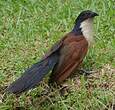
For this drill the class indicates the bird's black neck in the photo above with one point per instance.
(76, 29)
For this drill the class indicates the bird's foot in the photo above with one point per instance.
(64, 89)
(86, 72)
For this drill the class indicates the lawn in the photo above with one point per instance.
(28, 28)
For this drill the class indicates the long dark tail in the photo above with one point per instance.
(33, 75)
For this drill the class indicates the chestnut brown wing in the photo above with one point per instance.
(71, 56)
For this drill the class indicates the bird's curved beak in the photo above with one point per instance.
(94, 14)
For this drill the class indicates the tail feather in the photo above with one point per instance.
(33, 75)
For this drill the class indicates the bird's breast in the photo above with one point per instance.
(87, 30)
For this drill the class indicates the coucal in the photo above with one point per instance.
(63, 58)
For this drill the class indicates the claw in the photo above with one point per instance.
(85, 72)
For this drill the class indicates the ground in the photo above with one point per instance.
(28, 28)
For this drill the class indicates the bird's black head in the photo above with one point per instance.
(85, 15)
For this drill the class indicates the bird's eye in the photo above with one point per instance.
(85, 16)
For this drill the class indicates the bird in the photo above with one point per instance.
(64, 57)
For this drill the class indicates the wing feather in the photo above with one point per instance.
(71, 57)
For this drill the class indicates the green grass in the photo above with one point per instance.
(29, 27)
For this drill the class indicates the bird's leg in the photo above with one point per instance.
(64, 88)
(86, 72)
